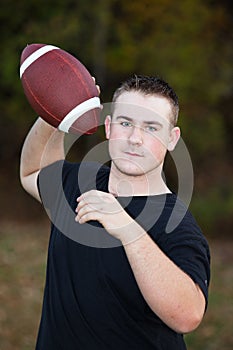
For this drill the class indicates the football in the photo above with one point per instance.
(60, 89)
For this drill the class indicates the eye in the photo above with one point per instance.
(151, 128)
(126, 124)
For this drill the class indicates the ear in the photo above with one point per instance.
(107, 124)
(174, 138)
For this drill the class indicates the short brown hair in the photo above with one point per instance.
(150, 85)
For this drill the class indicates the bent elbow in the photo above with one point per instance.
(192, 315)
(189, 323)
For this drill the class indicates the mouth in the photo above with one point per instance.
(133, 154)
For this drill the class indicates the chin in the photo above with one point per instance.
(128, 169)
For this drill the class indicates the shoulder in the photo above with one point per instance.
(177, 228)
(177, 216)
(68, 176)
(62, 169)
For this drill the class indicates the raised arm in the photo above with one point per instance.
(43, 146)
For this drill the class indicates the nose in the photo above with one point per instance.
(136, 137)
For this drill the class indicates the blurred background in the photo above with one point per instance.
(187, 43)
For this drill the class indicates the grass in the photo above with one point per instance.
(23, 250)
(22, 274)
(215, 332)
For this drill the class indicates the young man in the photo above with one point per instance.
(115, 278)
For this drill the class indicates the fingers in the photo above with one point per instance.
(95, 196)
(89, 207)
(82, 210)
(86, 214)
(103, 207)
(95, 205)
(97, 86)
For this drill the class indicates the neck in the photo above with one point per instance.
(149, 184)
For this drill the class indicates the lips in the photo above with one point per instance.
(133, 154)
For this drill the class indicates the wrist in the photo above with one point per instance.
(132, 233)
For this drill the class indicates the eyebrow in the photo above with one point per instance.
(149, 122)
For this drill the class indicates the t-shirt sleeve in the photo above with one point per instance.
(187, 247)
(51, 181)
(60, 184)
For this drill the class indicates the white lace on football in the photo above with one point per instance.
(77, 112)
(35, 55)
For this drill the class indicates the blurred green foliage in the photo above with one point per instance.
(188, 43)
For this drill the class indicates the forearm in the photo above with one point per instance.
(169, 292)
(43, 146)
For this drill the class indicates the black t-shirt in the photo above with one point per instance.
(91, 298)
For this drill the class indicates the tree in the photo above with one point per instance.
(188, 43)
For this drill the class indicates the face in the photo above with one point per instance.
(140, 133)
